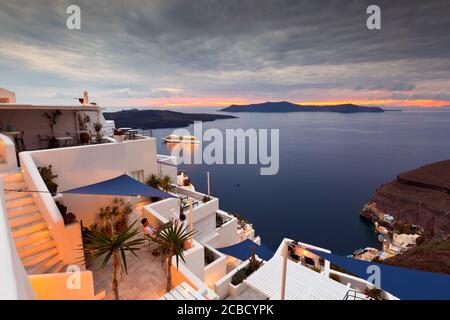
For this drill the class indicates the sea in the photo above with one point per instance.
(330, 164)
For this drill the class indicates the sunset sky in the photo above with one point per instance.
(222, 52)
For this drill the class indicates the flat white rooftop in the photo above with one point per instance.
(302, 283)
(76, 107)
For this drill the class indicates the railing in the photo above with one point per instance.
(355, 295)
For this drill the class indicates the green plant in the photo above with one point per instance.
(219, 220)
(374, 293)
(242, 222)
(254, 264)
(206, 198)
(209, 256)
(97, 244)
(98, 126)
(170, 241)
(238, 277)
(243, 273)
(166, 183)
(52, 118)
(83, 120)
(114, 218)
(153, 181)
(48, 177)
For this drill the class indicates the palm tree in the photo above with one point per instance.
(170, 240)
(153, 181)
(166, 183)
(98, 243)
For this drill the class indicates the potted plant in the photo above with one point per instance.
(206, 198)
(48, 177)
(83, 121)
(98, 126)
(53, 118)
(114, 218)
(119, 135)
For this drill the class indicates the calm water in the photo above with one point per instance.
(330, 164)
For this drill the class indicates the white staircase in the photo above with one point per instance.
(36, 247)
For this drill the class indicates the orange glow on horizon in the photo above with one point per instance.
(381, 102)
(221, 102)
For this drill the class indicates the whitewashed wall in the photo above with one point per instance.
(84, 165)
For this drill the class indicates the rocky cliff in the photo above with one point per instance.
(420, 196)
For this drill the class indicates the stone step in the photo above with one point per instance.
(12, 195)
(38, 258)
(14, 186)
(34, 238)
(29, 230)
(16, 212)
(45, 266)
(17, 203)
(24, 220)
(36, 248)
(13, 178)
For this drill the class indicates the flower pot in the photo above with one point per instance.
(85, 138)
(120, 138)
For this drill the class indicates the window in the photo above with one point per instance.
(138, 175)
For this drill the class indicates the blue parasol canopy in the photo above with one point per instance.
(404, 283)
(123, 185)
(244, 250)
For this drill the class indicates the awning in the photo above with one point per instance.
(302, 283)
(244, 250)
(404, 283)
(123, 185)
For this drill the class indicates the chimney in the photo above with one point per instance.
(85, 98)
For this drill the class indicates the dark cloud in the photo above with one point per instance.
(231, 47)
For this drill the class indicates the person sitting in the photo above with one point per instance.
(148, 230)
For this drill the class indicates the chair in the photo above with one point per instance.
(21, 141)
(41, 140)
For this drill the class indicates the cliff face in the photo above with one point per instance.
(420, 196)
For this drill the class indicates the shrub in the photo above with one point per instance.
(209, 256)
(48, 176)
(238, 277)
(373, 293)
(219, 220)
(153, 181)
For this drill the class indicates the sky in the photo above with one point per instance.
(222, 52)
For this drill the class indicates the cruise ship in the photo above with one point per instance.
(59, 179)
(181, 139)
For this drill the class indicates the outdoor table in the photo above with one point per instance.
(65, 139)
(11, 133)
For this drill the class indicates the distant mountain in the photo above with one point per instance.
(158, 119)
(285, 106)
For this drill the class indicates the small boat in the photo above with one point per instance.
(180, 139)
